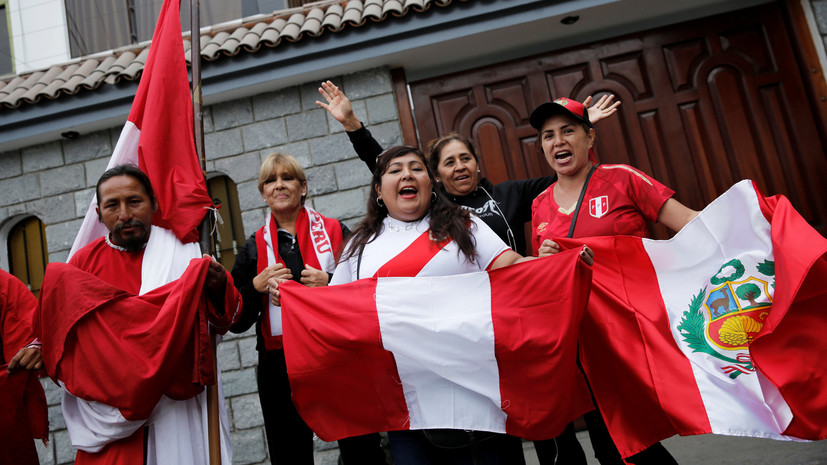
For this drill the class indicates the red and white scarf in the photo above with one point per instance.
(319, 238)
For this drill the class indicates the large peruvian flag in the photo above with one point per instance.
(488, 351)
(158, 138)
(719, 330)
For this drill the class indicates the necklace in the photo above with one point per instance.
(399, 227)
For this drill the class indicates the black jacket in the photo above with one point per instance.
(503, 207)
(246, 268)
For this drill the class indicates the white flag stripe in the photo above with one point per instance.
(731, 227)
(444, 349)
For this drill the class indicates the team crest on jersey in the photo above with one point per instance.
(542, 227)
(724, 321)
(599, 206)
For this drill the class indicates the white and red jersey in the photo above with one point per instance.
(618, 201)
(395, 243)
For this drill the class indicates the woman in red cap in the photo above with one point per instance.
(591, 199)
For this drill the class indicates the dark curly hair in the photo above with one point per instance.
(447, 219)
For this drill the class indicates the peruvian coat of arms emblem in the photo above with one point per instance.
(725, 317)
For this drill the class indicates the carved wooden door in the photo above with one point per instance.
(704, 105)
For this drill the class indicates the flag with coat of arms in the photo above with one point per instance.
(720, 329)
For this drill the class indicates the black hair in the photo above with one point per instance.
(447, 219)
(126, 170)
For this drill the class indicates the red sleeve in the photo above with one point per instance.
(648, 194)
(18, 306)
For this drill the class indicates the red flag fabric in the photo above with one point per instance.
(718, 330)
(25, 417)
(158, 138)
(491, 351)
(156, 343)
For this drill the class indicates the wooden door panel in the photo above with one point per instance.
(704, 105)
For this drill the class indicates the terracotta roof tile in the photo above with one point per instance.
(228, 39)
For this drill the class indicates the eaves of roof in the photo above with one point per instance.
(243, 36)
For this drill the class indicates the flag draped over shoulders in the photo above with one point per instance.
(717, 330)
(158, 138)
(163, 334)
(491, 351)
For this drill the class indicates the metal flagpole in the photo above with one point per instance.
(213, 422)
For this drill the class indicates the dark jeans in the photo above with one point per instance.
(566, 450)
(413, 448)
(289, 439)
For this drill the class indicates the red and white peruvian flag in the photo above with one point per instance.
(492, 351)
(719, 330)
(158, 138)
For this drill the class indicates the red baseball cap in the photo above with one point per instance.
(560, 106)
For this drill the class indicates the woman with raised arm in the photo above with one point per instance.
(595, 200)
(297, 243)
(504, 207)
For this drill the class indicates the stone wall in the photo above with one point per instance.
(55, 182)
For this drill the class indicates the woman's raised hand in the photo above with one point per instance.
(338, 106)
(602, 109)
(276, 272)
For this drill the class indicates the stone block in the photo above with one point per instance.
(10, 164)
(247, 411)
(276, 104)
(367, 83)
(299, 150)
(321, 444)
(45, 453)
(310, 92)
(359, 109)
(820, 13)
(87, 147)
(240, 167)
(56, 421)
(248, 352)
(63, 447)
(248, 195)
(326, 457)
(83, 199)
(381, 108)
(331, 149)
(223, 144)
(41, 157)
(321, 180)
(231, 114)
(352, 173)
(65, 179)
(60, 236)
(248, 446)
(239, 382)
(387, 134)
(53, 209)
(253, 219)
(94, 170)
(227, 354)
(351, 223)
(59, 257)
(53, 392)
(19, 189)
(267, 133)
(306, 125)
(342, 204)
(207, 118)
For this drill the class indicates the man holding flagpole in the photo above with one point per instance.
(125, 332)
(133, 350)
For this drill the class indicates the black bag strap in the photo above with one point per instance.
(580, 199)
(359, 261)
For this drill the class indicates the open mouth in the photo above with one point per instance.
(562, 156)
(462, 177)
(407, 192)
